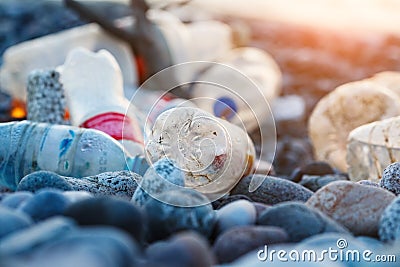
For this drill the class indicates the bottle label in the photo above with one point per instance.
(116, 125)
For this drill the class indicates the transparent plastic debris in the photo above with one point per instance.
(254, 68)
(344, 109)
(213, 153)
(51, 50)
(94, 90)
(372, 147)
(66, 150)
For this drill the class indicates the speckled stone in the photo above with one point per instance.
(43, 179)
(315, 182)
(120, 184)
(389, 225)
(239, 240)
(273, 190)
(163, 176)
(15, 199)
(299, 220)
(391, 178)
(191, 214)
(357, 207)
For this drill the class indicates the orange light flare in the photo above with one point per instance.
(18, 109)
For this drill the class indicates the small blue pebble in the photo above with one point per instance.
(237, 213)
(12, 220)
(389, 225)
(16, 199)
(44, 204)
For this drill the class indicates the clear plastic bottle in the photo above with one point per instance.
(213, 153)
(95, 97)
(70, 151)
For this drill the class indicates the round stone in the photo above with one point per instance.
(43, 179)
(186, 214)
(299, 220)
(391, 178)
(11, 221)
(273, 190)
(357, 207)
(315, 182)
(389, 225)
(15, 199)
(237, 213)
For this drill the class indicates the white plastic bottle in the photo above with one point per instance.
(69, 151)
(95, 97)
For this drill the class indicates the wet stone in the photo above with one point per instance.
(357, 207)
(389, 225)
(191, 214)
(273, 190)
(299, 220)
(239, 240)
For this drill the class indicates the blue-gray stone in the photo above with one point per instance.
(15, 199)
(237, 241)
(191, 214)
(30, 238)
(299, 220)
(389, 225)
(90, 246)
(120, 184)
(391, 178)
(163, 176)
(273, 190)
(182, 250)
(109, 212)
(43, 179)
(315, 182)
(12, 220)
(237, 213)
(44, 204)
(74, 196)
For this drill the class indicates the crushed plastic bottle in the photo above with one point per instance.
(213, 153)
(372, 147)
(95, 97)
(69, 151)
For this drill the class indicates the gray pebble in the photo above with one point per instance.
(273, 190)
(75, 196)
(299, 220)
(120, 184)
(389, 225)
(11, 221)
(239, 240)
(391, 178)
(188, 213)
(15, 199)
(163, 176)
(237, 213)
(30, 238)
(315, 182)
